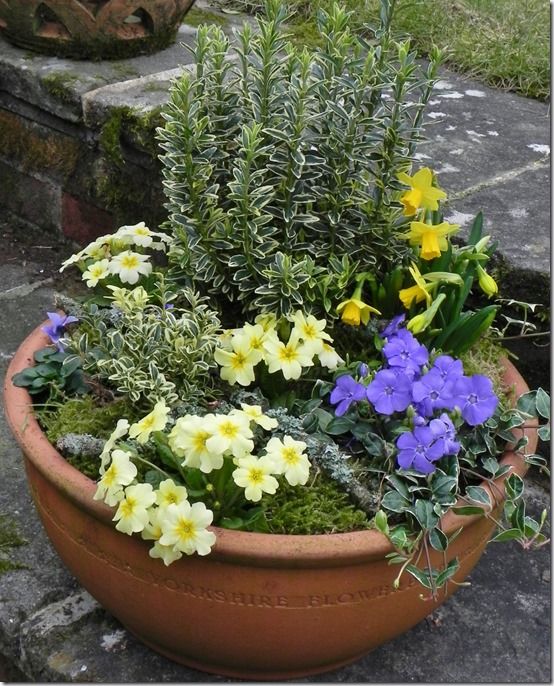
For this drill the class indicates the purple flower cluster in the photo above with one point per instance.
(407, 380)
(55, 328)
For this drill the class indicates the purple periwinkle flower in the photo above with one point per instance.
(475, 398)
(393, 326)
(418, 450)
(390, 391)
(445, 434)
(346, 391)
(432, 392)
(55, 328)
(449, 368)
(403, 350)
(363, 370)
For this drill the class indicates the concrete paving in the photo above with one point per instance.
(491, 151)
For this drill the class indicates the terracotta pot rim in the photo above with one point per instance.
(257, 548)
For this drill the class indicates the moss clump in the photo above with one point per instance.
(9, 538)
(320, 507)
(83, 416)
(59, 85)
(195, 17)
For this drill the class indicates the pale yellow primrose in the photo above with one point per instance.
(237, 364)
(129, 266)
(96, 272)
(132, 514)
(121, 472)
(329, 357)
(310, 331)
(154, 421)
(184, 527)
(120, 430)
(255, 476)
(188, 440)
(169, 493)
(289, 459)
(229, 434)
(254, 414)
(288, 358)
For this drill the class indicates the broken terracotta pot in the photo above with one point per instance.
(92, 29)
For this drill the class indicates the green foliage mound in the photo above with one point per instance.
(280, 166)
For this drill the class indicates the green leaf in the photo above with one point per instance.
(339, 426)
(447, 573)
(232, 523)
(420, 575)
(544, 432)
(527, 403)
(438, 539)
(517, 518)
(514, 487)
(24, 378)
(543, 403)
(70, 365)
(508, 535)
(424, 514)
(478, 494)
(468, 510)
(394, 501)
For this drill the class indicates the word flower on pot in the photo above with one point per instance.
(284, 408)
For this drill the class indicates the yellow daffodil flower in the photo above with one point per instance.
(355, 312)
(422, 193)
(431, 238)
(419, 292)
(487, 283)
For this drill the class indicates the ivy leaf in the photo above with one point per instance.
(508, 535)
(420, 575)
(448, 572)
(514, 487)
(543, 403)
(438, 539)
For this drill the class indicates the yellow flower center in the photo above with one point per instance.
(309, 331)
(256, 343)
(290, 455)
(256, 475)
(199, 440)
(288, 354)
(110, 476)
(228, 429)
(238, 361)
(129, 262)
(146, 423)
(185, 529)
(128, 506)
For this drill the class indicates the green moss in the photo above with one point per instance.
(9, 538)
(196, 17)
(83, 416)
(59, 85)
(317, 508)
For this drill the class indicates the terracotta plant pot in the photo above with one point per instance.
(261, 606)
(92, 29)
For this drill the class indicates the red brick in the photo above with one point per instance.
(84, 222)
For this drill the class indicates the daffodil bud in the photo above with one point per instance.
(486, 282)
(417, 324)
(381, 522)
(482, 244)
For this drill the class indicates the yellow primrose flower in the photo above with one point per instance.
(97, 249)
(229, 434)
(289, 459)
(268, 321)
(487, 283)
(132, 514)
(129, 266)
(289, 358)
(422, 193)
(120, 430)
(432, 238)
(329, 357)
(184, 527)
(237, 365)
(121, 472)
(355, 311)
(254, 414)
(139, 234)
(310, 331)
(168, 492)
(154, 421)
(188, 439)
(255, 476)
(253, 336)
(96, 272)
(419, 292)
